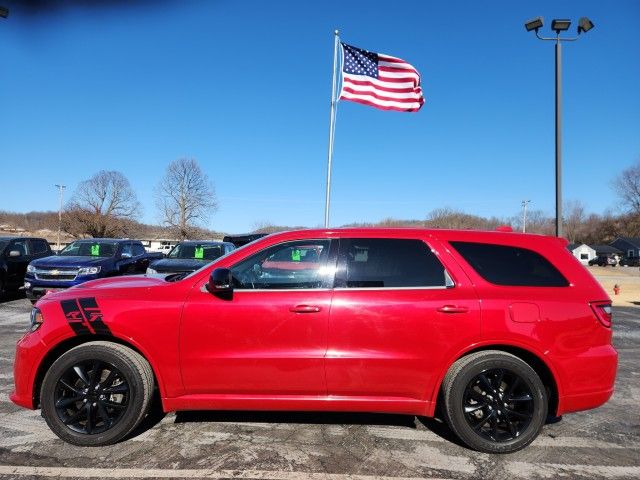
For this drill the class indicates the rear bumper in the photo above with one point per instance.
(591, 382)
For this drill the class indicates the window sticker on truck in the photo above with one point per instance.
(95, 250)
(199, 253)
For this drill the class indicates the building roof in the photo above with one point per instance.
(633, 241)
(605, 249)
(573, 246)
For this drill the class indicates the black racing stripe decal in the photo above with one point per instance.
(93, 315)
(74, 316)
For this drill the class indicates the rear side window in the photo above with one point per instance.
(39, 246)
(388, 263)
(506, 265)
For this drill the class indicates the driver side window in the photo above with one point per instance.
(291, 265)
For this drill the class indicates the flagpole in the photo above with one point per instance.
(332, 120)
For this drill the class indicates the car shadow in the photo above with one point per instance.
(11, 295)
(435, 425)
(314, 418)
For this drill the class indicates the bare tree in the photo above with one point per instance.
(627, 186)
(185, 197)
(101, 206)
(574, 220)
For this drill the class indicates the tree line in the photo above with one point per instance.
(106, 205)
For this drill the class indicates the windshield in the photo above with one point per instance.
(85, 248)
(205, 265)
(195, 251)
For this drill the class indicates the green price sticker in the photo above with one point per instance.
(295, 255)
(95, 250)
(199, 253)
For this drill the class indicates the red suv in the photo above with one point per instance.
(495, 330)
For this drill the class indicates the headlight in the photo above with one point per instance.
(36, 319)
(31, 268)
(151, 271)
(88, 270)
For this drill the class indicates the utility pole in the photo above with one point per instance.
(524, 215)
(61, 190)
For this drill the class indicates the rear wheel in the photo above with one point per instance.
(494, 401)
(96, 393)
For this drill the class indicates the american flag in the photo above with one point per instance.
(380, 81)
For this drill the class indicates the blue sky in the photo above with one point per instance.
(244, 88)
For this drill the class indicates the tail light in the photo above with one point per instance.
(603, 312)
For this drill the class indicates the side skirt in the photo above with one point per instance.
(329, 403)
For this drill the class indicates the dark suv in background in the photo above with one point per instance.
(603, 261)
(15, 255)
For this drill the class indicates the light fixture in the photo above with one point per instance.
(584, 25)
(534, 24)
(560, 25)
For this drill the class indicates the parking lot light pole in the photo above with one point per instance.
(61, 189)
(558, 25)
(524, 215)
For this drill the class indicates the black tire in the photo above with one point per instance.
(102, 390)
(494, 401)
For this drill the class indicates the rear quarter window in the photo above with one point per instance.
(508, 265)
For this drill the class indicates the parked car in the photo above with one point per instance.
(241, 240)
(15, 255)
(497, 330)
(187, 257)
(629, 262)
(85, 260)
(603, 261)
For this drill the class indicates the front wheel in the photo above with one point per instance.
(494, 401)
(96, 393)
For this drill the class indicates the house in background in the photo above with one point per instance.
(582, 252)
(630, 247)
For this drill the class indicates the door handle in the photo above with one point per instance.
(453, 309)
(305, 309)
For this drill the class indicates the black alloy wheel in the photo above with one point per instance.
(494, 401)
(96, 393)
(498, 405)
(91, 397)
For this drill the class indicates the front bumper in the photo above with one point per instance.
(29, 354)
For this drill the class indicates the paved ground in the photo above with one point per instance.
(604, 443)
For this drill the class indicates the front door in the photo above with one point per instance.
(396, 316)
(270, 335)
(17, 266)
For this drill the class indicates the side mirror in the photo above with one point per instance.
(220, 281)
(15, 253)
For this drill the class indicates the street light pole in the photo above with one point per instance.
(584, 25)
(524, 215)
(61, 190)
(558, 137)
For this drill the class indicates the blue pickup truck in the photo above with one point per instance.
(85, 260)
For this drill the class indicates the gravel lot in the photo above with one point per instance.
(603, 443)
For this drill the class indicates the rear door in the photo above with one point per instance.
(397, 315)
